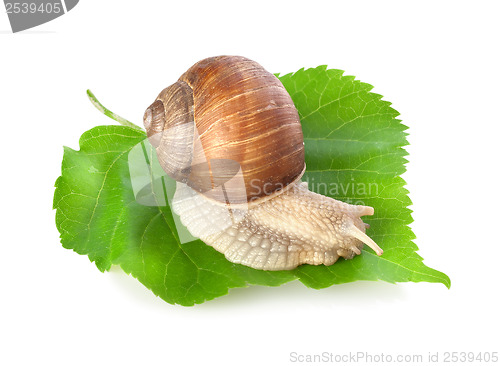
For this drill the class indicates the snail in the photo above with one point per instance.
(229, 134)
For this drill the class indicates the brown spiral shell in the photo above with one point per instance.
(227, 116)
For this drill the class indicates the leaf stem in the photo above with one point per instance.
(110, 114)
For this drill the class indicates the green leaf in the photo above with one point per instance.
(97, 215)
(354, 152)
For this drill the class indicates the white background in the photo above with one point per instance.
(436, 61)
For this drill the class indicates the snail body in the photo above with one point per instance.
(229, 134)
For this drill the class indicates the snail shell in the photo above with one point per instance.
(228, 132)
(242, 118)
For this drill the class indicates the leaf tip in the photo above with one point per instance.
(446, 281)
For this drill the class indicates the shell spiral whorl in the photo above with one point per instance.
(241, 114)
